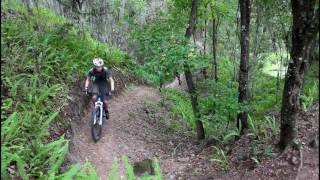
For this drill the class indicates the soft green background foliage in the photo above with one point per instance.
(163, 50)
(42, 55)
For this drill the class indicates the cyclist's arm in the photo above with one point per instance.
(110, 78)
(88, 79)
(87, 82)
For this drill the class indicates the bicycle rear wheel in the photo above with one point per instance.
(96, 128)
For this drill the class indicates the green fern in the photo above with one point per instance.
(129, 168)
(10, 128)
(272, 124)
(114, 169)
(9, 157)
(252, 124)
(71, 173)
(309, 97)
(157, 170)
(231, 133)
(220, 158)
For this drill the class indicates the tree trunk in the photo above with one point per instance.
(194, 32)
(243, 71)
(214, 42)
(204, 70)
(190, 84)
(256, 50)
(305, 27)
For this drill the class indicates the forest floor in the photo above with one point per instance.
(139, 128)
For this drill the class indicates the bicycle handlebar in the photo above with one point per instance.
(90, 93)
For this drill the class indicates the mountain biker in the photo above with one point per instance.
(101, 77)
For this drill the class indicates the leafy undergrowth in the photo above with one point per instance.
(218, 105)
(254, 151)
(42, 56)
(255, 156)
(260, 134)
(181, 108)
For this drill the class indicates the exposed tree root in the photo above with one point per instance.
(300, 165)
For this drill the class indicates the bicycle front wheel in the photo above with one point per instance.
(96, 128)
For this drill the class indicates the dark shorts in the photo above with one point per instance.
(101, 88)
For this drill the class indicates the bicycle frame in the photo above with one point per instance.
(98, 112)
(98, 104)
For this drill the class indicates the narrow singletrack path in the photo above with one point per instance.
(115, 142)
(125, 133)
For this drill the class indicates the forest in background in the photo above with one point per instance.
(243, 63)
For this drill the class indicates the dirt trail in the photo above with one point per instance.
(127, 132)
(175, 83)
(115, 142)
(139, 131)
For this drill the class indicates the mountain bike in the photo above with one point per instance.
(97, 117)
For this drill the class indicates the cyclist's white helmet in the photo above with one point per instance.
(97, 62)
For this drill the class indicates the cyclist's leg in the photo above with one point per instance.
(103, 91)
(106, 106)
(95, 91)
(94, 98)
